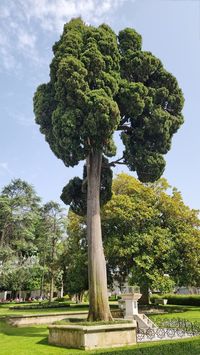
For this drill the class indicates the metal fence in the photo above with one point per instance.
(169, 329)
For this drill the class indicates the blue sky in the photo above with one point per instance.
(28, 29)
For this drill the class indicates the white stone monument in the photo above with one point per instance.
(130, 296)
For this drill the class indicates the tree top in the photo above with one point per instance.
(101, 83)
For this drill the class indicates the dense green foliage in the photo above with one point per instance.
(50, 237)
(151, 235)
(29, 238)
(77, 107)
(100, 83)
(19, 215)
(148, 234)
(74, 193)
(187, 300)
(74, 260)
(41, 306)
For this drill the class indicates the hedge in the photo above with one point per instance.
(186, 300)
(41, 306)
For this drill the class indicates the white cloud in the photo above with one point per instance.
(51, 15)
(26, 40)
(22, 22)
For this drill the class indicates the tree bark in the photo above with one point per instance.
(98, 294)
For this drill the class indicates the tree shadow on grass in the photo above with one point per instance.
(22, 331)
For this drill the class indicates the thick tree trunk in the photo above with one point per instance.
(98, 295)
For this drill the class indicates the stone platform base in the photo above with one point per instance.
(93, 337)
(49, 318)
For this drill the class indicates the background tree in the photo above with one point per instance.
(74, 258)
(5, 226)
(18, 218)
(148, 233)
(50, 237)
(101, 83)
(20, 278)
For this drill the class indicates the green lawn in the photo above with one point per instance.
(190, 313)
(33, 340)
(5, 311)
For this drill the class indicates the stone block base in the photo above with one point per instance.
(93, 337)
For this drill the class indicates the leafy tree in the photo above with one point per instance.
(18, 220)
(150, 236)
(5, 219)
(101, 83)
(25, 277)
(74, 258)
(50, 235)
(149, 233)
(5, 226)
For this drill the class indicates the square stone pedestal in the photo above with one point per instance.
(130, 297)
(93, 337)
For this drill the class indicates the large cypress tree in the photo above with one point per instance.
(101, 83)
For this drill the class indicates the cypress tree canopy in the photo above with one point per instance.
(100, 83)
(74, 193)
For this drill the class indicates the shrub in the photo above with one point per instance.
(41, 306)
(186, 300)
(113, 298)
(62, 299)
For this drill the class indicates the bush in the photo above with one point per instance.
(41, 306)
(113, 298)
(62, 299)
(184, 300)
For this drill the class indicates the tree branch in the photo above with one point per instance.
(113, 163)
(84, 183)
(124, 120)
(124, 128)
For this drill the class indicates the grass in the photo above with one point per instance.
(190, 313)
(33, 340)
(5, 311)
(78, 321)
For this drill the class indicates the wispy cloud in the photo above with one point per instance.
(26, 40)
(22, 23)
(4, 168)
(53, 14)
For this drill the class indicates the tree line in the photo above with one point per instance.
(150, 237)
(31, 240)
